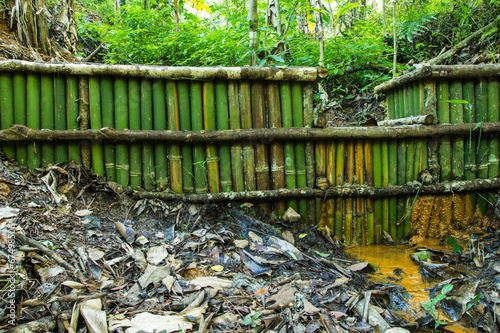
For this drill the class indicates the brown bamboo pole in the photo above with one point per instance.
(199, 162)
(359, 167)
(344, 192)
(222, 114)
(72, 109)
(148, 156)
(276, 148)
(19, 82)
(83, 118)
(320, 171)
(209, 121)
(331, 176)
(349, 203)
(259, 121)
(173, 124)
(108, 120)
(339, 181)
(236, 149)
(7, 110)
(248, 149)
(371, 235)
(309, 148)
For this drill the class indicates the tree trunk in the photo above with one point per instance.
(253, 32)
(319, 30)
(395, 36)
(32, 26)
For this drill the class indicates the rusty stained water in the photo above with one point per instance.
(394, 265)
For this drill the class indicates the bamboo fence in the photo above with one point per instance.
(219, 134)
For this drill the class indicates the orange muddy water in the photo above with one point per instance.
(394, 265)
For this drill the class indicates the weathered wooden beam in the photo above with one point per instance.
(427, 119)
(194, 73)
(23, 133)
(337, 191)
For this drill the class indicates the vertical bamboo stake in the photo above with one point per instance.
(7, 109)
(173, 122)
(370, 218)
(33, 117)
(409, 110)
(331, 176)
(96, 123)
(320, 155)
(259, 121)
(199, 163)
(148, 156)
(209, 121)
(235, 123)
(300, 156)
(276, 153)
(384, 149)
(444, 118)
(222, 114)
(72, 107)
(418, 94)
(481, 97)
(61, 147)
(349, 173)
(470, 142)
(19, 81)
(360, 205)
(108, 120)
(47, 100)
(166, 95)
(309, 148)
(83, 117)
(121, 122)
(401, 167)
(134, 109)
(377, 182)
(493, 116)
(457, 117)
(288, 147)
(185, 125)
(246, 123)
(393, 179)
(339, 181)
(389, 152)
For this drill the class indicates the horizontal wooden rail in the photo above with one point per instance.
(164, 72)
(23, 133)
(337, 191)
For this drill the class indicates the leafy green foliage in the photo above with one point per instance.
(432, 303)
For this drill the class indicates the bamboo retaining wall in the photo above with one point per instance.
(246, 134)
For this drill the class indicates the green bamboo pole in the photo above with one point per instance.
(481, 97)
(47, 101)
(493, 116)
(418, 90)
(470, 141)
(409, 110)
(84, 118)
(359, 169)
(349, 203)
(235, 123)
(72, 109)
(339, 181)
(96, 123)
(222, 114)
(199, 163)
(331, 176)
(377, 182)
(457, 117)
(121, 122)
(7, 109)
(134, 110)
(61, 147)
(391, 105)
(401, 168)
(424, 165)
(276, 151)
(246, 123)
(369, 169)
(393, 180)
(209, 122)
(19, 81)
(308, 92)
(148, 155)
(384, 149)
(259, 121)
(444, 118)
(33, 117)
(161, 93)
(288, 147)
(300, 155)
(320, 171)
(108, 120)
(185, 125)
(175, 157)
